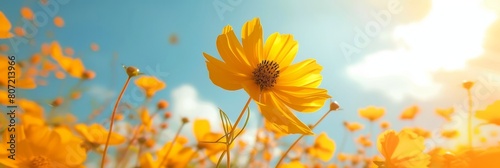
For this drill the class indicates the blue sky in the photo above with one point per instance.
(138, 33)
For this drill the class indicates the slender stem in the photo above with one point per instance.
(298, 139)
(370, 138)
(139, 155)
(134, 136)
(342, 144)
(470, 117)
(112, 120)
(172, 144)
(232, 132)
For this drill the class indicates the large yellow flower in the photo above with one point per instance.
(490, 114)
(372, 113)
(265, 71)
(45, 148)
(402, 150)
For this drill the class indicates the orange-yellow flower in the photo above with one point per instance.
(323, 148)
(385, 125)
(97, 134)
(204, 135)
(178, 157)
(74, 66)
(22, 80)
(491, 114)
(353, 126)
(27, 13)
(403, 149)
(419, 131)
(445, 113)
(364, 141)
(265, 71)
(5, 27)
(30, 107)
(371, 113)
(409, 113)
(293, 164)
(450, 133)
(43, 147)
(149, 85)
(58, 21)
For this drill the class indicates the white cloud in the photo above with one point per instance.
(100, 93)
(446, 39)
(186, 102)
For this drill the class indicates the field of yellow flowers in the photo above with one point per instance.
(37, 137)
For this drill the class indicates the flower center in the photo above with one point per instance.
(40, 162)
(265, 74)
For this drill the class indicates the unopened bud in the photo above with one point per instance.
(57, 102)
(467, 84)
(334, 106)
(88, 75)
(132, 71)
(185, 120)
(162, 104)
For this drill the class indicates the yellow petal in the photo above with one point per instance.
(281, 49)
(222, 75)
(277, 113)
(305, 73)
(252, 89)
(251, 35)
(201, 127)
(232, 52)
(5, 27)
(302, 99)
(325, 147)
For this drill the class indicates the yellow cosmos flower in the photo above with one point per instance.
(409, 113)
(46, 148)
(73, 66)
(203, 134)
(371, 113)
(97, 134)
(491, 113)
(265, 71)
(402, 150)
(419, 131)
(445, 113)
(323, 148)
(149, 85)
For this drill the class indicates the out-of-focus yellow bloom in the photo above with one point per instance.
(364, 141)
(385, 125)
(409, 113)
(450, 133)
(149, 85)
(353, 126)
(491, 114)
(22, 79)
(323, 148)
(45, 148)
(372, 113)
(146, 120)
(5, 27)
(419, 131)
(202, 132)
(342, 157)
(266, 73)
(293, 164)
(178, 157)
(402, 150)
(97, 134)
(73, 66)
(445, 113)
(31, 108)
